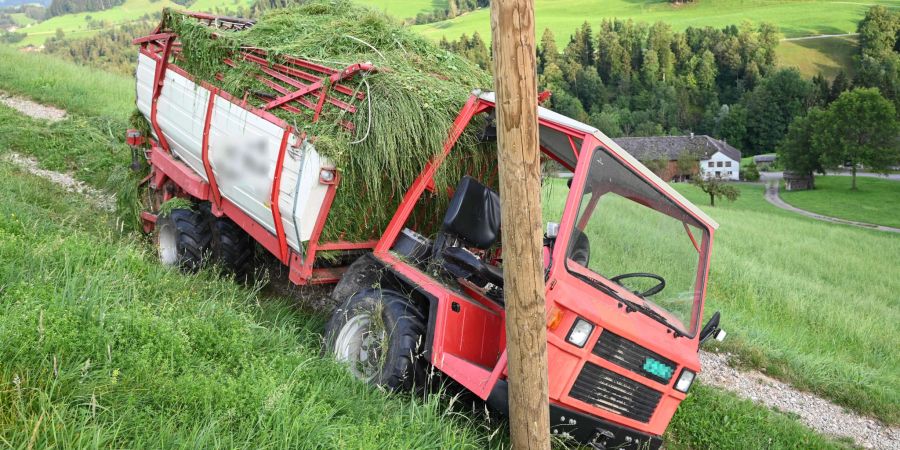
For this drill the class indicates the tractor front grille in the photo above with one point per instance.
(608, 390)
(628, 355)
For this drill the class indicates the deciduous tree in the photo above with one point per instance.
(860, 127)
(716, 188)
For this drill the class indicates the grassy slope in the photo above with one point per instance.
(801, 302)
(877, 201)
(79, 89)
(77, 24)
(105, 348)
(22, 19)
(794, 18)
(827, 56)
(67, 233)
(405, 8)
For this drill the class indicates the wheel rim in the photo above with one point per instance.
(359, 344)
(167, 243)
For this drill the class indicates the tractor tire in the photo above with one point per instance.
(380, 335)
(232, 248)
(182, 239)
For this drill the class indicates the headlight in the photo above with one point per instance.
(685, 380)
(580, 332)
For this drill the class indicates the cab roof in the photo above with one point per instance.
(557, 142)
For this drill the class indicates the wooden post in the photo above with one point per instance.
(512, 29)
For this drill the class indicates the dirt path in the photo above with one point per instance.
(772, 197)
(99, 198)
(32, 109)
(816, 412)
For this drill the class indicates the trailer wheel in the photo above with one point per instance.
(380, 335)
(232, 248)
(182, 239)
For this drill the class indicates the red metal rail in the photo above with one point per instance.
(300, 87)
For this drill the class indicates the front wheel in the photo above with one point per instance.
(379, 335)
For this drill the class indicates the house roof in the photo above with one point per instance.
(764, 158)
(671, 147)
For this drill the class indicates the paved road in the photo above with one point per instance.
(779, 175)
(772, 186)
(819, 36)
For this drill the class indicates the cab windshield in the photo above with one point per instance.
(638, 245)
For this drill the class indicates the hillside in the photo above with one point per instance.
(825, 55)
(793, 18)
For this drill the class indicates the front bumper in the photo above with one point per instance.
(583, 428)
(597, 432)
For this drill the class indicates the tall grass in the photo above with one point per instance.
(104, 348)
(810, 302)
(74, 88)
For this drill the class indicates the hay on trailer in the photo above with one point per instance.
(411, 103)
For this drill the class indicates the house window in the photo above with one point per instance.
(728, 164)
(719, 164)
(712, 164)
(718, 173)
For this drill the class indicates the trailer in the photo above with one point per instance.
(626, 257)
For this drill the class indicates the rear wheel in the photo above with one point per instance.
(232, 248)
(182, 239)
(379, 334)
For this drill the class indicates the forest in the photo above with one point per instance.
(636, 79)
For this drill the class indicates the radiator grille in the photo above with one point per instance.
(627, 354)
(610, 391)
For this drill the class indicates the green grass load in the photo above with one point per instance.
(413, 99)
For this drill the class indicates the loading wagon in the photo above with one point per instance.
(626, 257)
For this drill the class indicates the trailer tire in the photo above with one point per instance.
(380, 335)
(182, 239)
(232, 248)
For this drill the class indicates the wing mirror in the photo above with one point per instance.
(712, 330)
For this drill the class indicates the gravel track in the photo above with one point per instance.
(32, 109)
(99, 198)
(816, 412)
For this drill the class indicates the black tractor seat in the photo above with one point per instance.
(472, 220)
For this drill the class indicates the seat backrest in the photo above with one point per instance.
(473, 214)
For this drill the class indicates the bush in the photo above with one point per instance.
(750, 172)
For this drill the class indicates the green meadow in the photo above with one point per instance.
(877, 201)
(827, 56)
(793, 18)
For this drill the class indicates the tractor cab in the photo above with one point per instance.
(625, 262)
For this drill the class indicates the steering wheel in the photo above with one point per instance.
(652, 291)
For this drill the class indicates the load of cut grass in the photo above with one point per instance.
(412, 100)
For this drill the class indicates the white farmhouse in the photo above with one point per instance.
(717, 158)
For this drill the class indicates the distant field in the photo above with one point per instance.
(22, 19)
(794, 18)
(77, 24)
(827, 56)
(405, 8)
(877, 201)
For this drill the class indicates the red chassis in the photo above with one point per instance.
(465, 334)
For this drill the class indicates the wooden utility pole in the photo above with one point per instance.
(512, 30)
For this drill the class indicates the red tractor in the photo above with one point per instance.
(626, 257)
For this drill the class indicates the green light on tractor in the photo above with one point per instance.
(657, 368)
